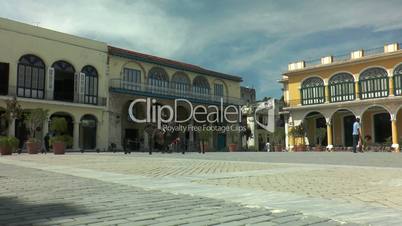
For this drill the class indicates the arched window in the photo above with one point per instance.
(64, 78)
(90, 84)
(88, 126)
(201, 86)
(312, 91)
(341, 87)
(158, 80)
(31, 77)
(398, 80)
(180, 83)
(373, 83)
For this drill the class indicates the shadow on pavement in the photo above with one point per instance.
(16, 211)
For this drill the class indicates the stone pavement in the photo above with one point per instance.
(176, 190)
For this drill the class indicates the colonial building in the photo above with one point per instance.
(329, 93)
(135, 75)
(62, 73)
(91, 85)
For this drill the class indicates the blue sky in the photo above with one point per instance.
(253, 39)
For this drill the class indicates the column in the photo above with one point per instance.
(191, 136)
(46, 127)
(326, 93)
(11, 127)
(357, 90)
(291, 139)
(329, 135)
(395, 144)
(76, 136)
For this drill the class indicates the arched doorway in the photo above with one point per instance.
(133, 132)
(315, 127)
(376, 127)
(342, 126)
(88, 126)
(70, 122)
(64, 74)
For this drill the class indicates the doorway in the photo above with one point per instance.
(4, 73)
(348, 130)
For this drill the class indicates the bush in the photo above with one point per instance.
(58, 125)
(66, 139)
(9, 142)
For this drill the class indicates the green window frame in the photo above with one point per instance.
(312, 91)
(341, 88)
(373, 83)
(398, 81)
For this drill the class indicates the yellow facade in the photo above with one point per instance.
(385, 60)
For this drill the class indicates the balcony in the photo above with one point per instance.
(167, 91)
(94, 101)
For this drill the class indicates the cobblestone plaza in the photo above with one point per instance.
(194, 189)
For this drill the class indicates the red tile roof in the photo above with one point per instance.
(169, 63)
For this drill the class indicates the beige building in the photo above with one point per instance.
(135, 75)
(91, 84)
(328, 94)
(62, 73)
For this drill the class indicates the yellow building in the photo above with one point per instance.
(328, 94)
(135, 75)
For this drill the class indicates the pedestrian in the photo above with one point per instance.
(356, 135)
(267, 147)
(46, 141)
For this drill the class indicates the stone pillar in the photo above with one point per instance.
(146, 141)
(395, 143)
(46, 127)
(11, 128)
(291, 139)
(357, 91)
(326, 93)
(329, 135)
(76, 136)
(191, 136)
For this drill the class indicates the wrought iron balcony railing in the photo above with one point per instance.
(170, 91)
(90, 100)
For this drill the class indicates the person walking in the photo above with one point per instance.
(356, 135)
(46, 142)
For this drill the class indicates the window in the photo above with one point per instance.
(373, 83)
(158, 80)
(342, 87)
(312, 91)
(91, 85)
(218, 89)
(180, 83)
(201, 86)
(131, 79)
(31, 77)
(398, 80)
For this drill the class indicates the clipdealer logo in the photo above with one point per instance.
(163, 114)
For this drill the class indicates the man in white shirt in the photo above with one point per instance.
(356, 134)
(268, 147)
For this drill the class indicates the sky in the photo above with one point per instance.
(252, 39)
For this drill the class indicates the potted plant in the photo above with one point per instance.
(34, 121)
(233, 143)
(8, 144)
(320, 134)
(205, 136)
(60, 140)
(298, 133)
(278, 137)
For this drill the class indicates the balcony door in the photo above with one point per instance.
(4, 73)
(63, 81)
